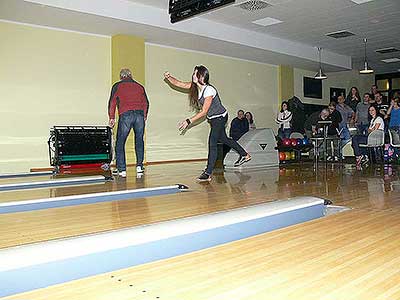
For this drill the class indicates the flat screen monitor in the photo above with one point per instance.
(312, 87)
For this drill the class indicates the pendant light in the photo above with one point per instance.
(367, 69)
(320, 75)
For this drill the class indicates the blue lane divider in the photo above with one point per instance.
(28, 174)
(51, 183)
(30, 205)
(51, 273)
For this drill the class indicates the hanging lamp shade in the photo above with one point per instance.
(320, 75)
(367, 69)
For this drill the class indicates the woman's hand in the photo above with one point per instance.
(183, 125)
(167, 75)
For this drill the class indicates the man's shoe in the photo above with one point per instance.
(114, 172)
(139, 170)
(204, 177)
(122, 174)
(365, 159)
(242, 160)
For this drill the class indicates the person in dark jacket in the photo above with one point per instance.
(239, 126)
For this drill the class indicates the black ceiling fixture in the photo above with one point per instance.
(182, 9)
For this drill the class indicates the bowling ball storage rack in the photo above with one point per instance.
(298, 149)
(73, 147)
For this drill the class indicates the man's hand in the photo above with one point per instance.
(111, 122)
(167, 75)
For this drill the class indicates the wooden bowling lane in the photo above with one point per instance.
(344, 185)
(351, 255)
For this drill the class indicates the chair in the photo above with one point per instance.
(376, 140)
(394, 138)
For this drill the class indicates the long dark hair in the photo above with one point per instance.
(287, 105)
(251, 121)
(202, 71)
(350, 94)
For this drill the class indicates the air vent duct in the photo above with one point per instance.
(340, 34)
(387, 50)
(254, 5)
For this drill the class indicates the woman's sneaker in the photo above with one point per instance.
(122, 174)
(204, 177)
(139, 170)
(242, 160)
(114, 172)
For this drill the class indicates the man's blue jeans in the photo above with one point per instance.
(130, 119)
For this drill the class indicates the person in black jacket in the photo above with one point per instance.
(239, 126)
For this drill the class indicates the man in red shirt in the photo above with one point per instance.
(131, 100)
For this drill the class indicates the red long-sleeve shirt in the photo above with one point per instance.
(127, 94)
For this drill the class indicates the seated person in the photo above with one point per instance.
(239, 126)
(376, 123)
(249, 117)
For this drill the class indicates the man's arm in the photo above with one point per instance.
(112, 104)
(146, 110)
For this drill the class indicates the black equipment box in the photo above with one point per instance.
(71, 145)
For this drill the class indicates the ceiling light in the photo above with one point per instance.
(361, 1)
(391, 60)
(267, 21)
(367, 69)
(320, 75)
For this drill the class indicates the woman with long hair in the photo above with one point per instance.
(283, 119)
(353, 98)
(204, 99)
(376, 123)
(249, 117)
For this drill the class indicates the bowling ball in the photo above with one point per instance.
(282, 156)
(288, 156)
(287, 142)
(306, 141)
(299, 142)
(293, 142)
(293, 155)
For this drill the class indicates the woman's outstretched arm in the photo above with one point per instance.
(176, 82)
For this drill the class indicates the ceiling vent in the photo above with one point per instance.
(254, 5)
(340, 34)
(387, 50)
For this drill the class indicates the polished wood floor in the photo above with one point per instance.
(351, 255)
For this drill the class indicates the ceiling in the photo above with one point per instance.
(304, 25)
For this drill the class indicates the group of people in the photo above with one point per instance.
(241, 124)
(365, 115)
(129, 97)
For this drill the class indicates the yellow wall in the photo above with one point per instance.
(286, 82)
(48, 77)
(241, 85)
(128, 52)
